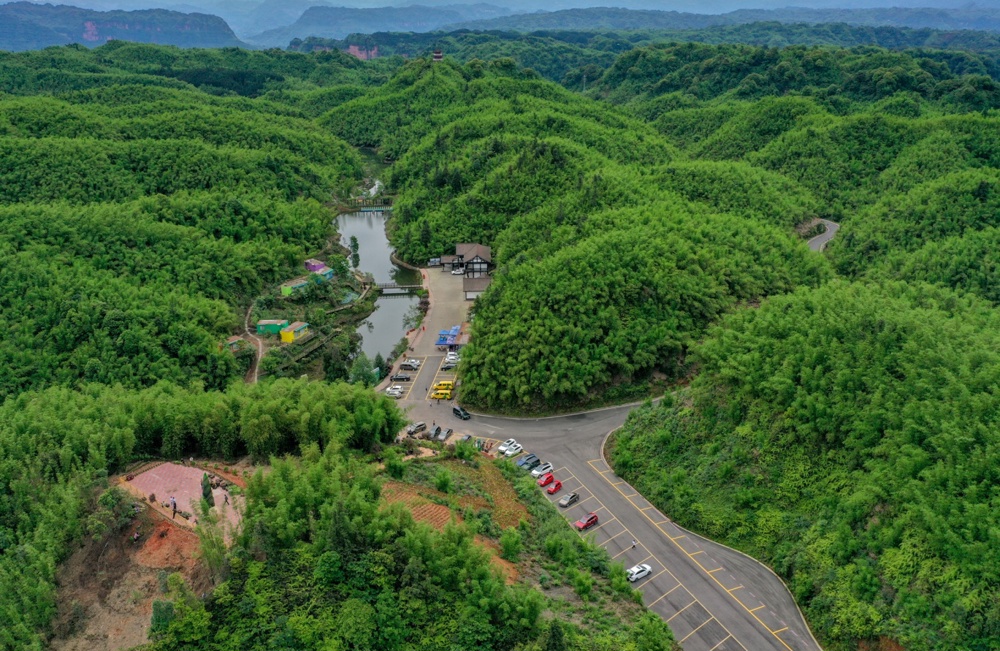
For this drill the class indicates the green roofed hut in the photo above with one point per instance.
(295, 285)
(271, 326)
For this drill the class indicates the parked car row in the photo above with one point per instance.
(437, 434)
(543, 471)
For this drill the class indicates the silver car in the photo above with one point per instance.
(542, 469)
(569, 500)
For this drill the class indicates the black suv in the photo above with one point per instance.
(460, 412)
(400, 377)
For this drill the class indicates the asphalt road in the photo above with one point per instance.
(713, 598)
(819, 242)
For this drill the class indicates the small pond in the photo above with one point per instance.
(381, 331)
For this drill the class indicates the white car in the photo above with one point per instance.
(506, 444)
(513, 450)
(458, 272)
(542, 469)
(412, 362)
(638, 572)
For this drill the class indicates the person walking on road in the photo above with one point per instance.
(634, 543)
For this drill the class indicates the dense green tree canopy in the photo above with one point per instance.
(847, 435)
(842, 429)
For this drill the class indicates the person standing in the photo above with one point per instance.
(634, 543)
(173, 505)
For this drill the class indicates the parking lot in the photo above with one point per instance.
(421, 384)
(714, 598)
(669, 589)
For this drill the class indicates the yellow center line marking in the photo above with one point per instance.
(647, 508)
(595, 460)
(683, 609)
(696, 630)
(780, 630)
(658, 526)
(739, 587)
(718, 569)
(628, 497)
(720, 643)
(618, 484)
(677, 538)
(757, 608)
(665, 594)
(700, 551)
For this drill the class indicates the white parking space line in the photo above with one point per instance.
(645, 581)
(653, 603)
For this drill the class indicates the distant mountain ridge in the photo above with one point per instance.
(967, 17)
(339, 22)
(27, 26)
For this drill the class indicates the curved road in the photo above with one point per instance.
(819, 242)
(714, 598)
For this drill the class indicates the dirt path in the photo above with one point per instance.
(254, 373)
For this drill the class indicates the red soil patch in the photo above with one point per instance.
(168, 546)
(436, 515)
(107, 587)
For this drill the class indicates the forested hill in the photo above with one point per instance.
(841, 420)
(570, 192)
(138, 213)
(578, 59)
(842, 431)
(970, 17)
(28, 26)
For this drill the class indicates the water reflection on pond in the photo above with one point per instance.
(384, 328)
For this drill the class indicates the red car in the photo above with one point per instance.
(546, 479)
(586, 523)
(554, 488)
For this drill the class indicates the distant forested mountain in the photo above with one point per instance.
(969, 17)
(577, 58)
(338, 22)
(26, 26)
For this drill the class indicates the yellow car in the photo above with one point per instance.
(444, 385)
(441, 394)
